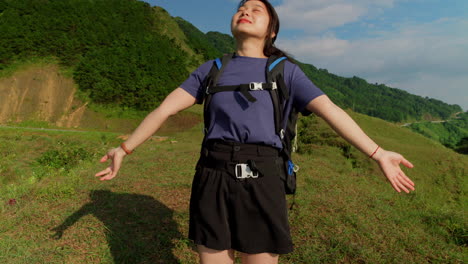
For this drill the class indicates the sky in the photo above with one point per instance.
(420, 46)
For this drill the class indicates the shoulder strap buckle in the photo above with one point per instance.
(274, 86)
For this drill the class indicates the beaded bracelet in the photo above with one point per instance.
(374, 152)
(125, 149)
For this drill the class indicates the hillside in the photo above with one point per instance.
(197, 40)
(168, 26)
(222, 42)
(40, 95)
(54, 210)
(118, 52)
(378, 100)
(452, 133)
(33, 94)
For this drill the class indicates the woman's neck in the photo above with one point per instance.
(250, 48)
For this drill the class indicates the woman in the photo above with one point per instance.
(226, 213)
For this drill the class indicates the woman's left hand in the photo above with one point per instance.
(389, 163)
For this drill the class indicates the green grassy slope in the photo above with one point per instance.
(197, 40)
(167, 25)
(345, 210)
(358, 217)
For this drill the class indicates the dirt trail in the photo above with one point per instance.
(40, 93)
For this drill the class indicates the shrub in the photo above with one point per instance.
(65, 157)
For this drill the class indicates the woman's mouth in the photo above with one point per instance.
(244, 20)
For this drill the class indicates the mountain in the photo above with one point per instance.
(197, 40)
(223, 42)
(117, 49)
(127, 53)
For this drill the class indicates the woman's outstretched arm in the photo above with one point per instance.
(175, 102)
(345, 126)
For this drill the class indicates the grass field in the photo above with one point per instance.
(53, 209)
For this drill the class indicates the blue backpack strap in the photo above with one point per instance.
(275, 73)
(276, 62)
(219, 64)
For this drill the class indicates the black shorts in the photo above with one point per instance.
(247, 215)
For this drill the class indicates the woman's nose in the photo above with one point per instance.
(245, 13)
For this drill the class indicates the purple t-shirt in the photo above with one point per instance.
(233, 117)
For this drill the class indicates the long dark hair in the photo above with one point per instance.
(269, 49)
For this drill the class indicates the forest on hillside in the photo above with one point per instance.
(120, 56)
(117, 55)
(379, 100)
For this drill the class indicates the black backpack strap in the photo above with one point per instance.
(211, 80)
(274, 74)
(280, 96)
(244, 89)
(221, 66)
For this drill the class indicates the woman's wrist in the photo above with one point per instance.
(120, 149)
(377, 154)
(125, 149)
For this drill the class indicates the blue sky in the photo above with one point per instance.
(420, 46)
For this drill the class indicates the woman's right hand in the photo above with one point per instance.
(116, 155)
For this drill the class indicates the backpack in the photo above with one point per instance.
(279, 93)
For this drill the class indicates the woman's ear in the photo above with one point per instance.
(273, 35)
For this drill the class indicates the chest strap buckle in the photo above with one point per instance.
(255, 86)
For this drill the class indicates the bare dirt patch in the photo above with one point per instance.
(42, 93)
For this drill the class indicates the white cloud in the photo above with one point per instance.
(321, 15)
(429, 59)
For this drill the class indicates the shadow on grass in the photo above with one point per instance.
(139, 228)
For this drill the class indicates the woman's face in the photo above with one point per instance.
(251, 20)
